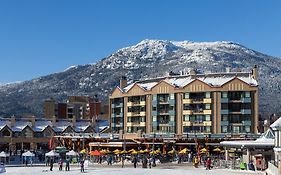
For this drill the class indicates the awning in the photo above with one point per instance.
(186, 144)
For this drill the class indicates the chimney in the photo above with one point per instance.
(74, 121)
(32, 118)
(228, 69)
(13, 120)
(255, 72)
(123, 82)
(192, 72)
(54, 120)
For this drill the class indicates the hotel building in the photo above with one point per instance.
(211, 103)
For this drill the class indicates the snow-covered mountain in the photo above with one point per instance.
(149, 58)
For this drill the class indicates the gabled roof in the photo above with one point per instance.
(211, 79)
(4, 123)
(60, 126)
(21, 125)
(276, 124)
(41, 125)
(81, 126)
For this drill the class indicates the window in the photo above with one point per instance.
(208, 118)
(224, 117)
(172, 118)
(247, 94)
(208, 106)
(154, 118)
(208, 129)
(224, 95)
(208, 95)
(172, 96)
(186, 117)
(154, 97)
(236, 129)
(224, 129)
(186, 107)
(247, 129)
(172, 108)
(186, 96)
(6, 133)
(154, 108)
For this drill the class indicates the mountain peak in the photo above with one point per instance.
(147, 59)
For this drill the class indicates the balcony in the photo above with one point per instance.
(224, 100)
(164, 122)
(136, 113)
(246, 123)
(246, 100)
(187, 101)
(246, 111)
(136, 103)
(207, 100)
(163, 112)
(186, 123)
(224, 111)
(197, 100)
(224, 123)
(207, 112)
(187, 112)
(207, 123)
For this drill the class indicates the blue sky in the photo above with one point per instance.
(40, 37)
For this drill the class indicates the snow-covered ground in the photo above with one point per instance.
(125, 171)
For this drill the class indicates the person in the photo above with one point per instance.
(82, 165)
(123, 160)
(51, 164)
(144, 162)
(149, 161)
(189, 157)
(60, 165)
(135, 161)
(48, 161)
(67, 161)
(208, 164)
(195, 162)
(109, 160)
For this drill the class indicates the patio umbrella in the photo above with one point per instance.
(117, 150)
(61, 149)
(172, 151)
(217, 149)
(83, 151)
(28, 154)
(95, 153)
(134, 152)
(52, 154)
(3, 154)
(131, 150)
(124, 152)
(203, 150)
(72, 153)
(184, 151)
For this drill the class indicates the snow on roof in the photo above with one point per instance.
(40, 125)
(212, 79)
(20, 125)
(101, 125)
(61, 125)
(127, 88)
(147, 86)
(276, 124)
(265, 140)
(216, 81)
(4, 123)
(81, 126)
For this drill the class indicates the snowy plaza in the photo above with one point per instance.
(171, 170)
